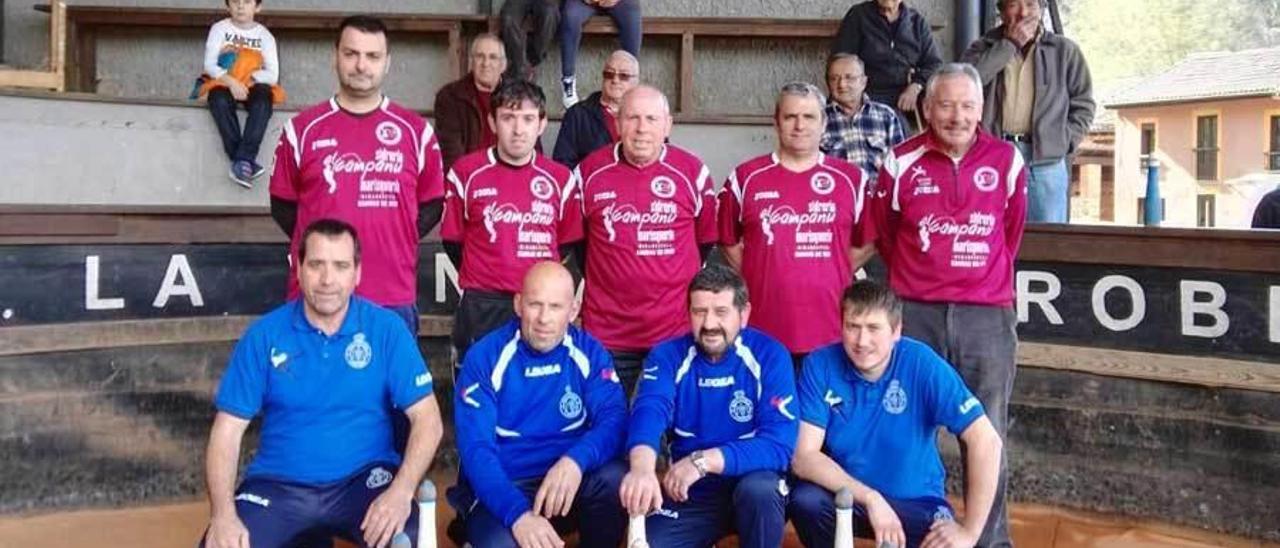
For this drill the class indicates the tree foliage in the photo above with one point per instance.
(1127, 38)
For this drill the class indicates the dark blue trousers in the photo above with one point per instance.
(597, 513)
(283, 514)
(813, 513)
(753, 506)
(625, 14)
(241, 145)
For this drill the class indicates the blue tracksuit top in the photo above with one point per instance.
(744, 404)
(517, 411)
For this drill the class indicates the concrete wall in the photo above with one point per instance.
(163, 64)
(97, 152)
(1243, 139)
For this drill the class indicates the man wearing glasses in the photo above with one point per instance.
(858, 129)
(463, 107)
(593, 123)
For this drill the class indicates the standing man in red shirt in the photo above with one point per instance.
(649, 210)
(364, 160)
(947, 217)
(506, 208)
(787, 220)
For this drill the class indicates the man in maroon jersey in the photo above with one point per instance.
(364, 160)
(649, 209)
(506, 208)
(947, 217)
(787, 223)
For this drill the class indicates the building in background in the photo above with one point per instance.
(1213, 122)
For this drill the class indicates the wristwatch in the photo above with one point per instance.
(699, 461)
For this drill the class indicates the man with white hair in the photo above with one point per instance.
(947, 217)
(593, 123)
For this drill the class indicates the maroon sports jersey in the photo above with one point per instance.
(508, 217)
(643, 228)
(370, 170)
(796, 230)
(949, 230)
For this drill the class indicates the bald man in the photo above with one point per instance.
(540, 420)
(650, 214)
(593, 123)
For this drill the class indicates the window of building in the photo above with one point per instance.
(1142, 209)
(1207, 148)
(1205, 210)
(1273, 143)
(1147, 145)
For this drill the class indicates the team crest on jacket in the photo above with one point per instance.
(663, 187)
(358, 353)
(822, 183)
(570, 404)
(986, 178)
(740, 408)
(388, 133)
(541, 188)
(895, 398)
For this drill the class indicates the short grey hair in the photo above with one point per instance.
(800, 89)
(1000, 4)
(954, 70)
(841, 56)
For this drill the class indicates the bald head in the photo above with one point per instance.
(546, 305)
(644, 123)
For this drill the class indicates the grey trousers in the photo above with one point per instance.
(981, 342)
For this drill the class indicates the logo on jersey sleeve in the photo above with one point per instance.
(895, 398)
(378, 477)
(740, 408)
(422, 380)
(359, 353)
(663, 187)
(986, 178)
(822, 183)
(570, 404)
(968, 405)
(388, 133)
(542, 187)
(466, 395)
(781, 403)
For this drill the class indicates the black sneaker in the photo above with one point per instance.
(242, 173)
(257, 171)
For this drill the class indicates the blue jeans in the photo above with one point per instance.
(241, 145)
(625, 14)
(1047, 189)
(813, 512)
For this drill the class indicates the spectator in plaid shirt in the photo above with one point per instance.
(858, 129)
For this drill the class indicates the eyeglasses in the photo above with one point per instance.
(619, 76)
(846, 78)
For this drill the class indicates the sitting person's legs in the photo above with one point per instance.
(347, 503)
(759, 509)
(596, 515)
(278, 514)
(259, 107)
(812, 512)
(223, 108)
(697, 522)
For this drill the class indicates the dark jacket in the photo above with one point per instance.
(1268, 213)
(1063, 107)
(582, 132)
(888, 57)
(457, 112)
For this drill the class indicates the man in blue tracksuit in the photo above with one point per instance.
(725, 395)
(326, 372)
(870, 406)
(540, 419)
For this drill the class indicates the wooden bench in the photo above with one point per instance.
(84, 23)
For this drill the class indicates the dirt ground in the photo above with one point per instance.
(170, 525)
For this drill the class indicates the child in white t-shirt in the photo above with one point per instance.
(241, 66)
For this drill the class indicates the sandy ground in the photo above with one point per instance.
(170, 525)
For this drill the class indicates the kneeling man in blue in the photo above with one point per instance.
(870, 407)
(540, 419)
(326, 372)
(725, 396)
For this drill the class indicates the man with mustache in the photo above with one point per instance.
(506, 208)
(540, 419)
(947, 218)
(787, 222)
(649, 209)
(870, 408)
(724, 394)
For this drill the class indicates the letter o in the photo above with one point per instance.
(1136, 295)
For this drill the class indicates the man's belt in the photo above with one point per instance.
(1017, 137)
